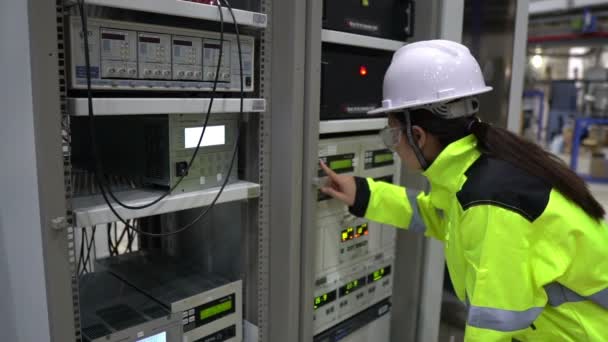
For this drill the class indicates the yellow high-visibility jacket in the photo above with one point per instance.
(529, 263)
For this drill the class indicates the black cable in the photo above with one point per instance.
(129, 231)
(98, 162)
(122, 235)
(89, 246)
(131, 235)
(109, 226)
(111, 243)
(86, 240)
(234, 152)
(81, 256)
(115, 242)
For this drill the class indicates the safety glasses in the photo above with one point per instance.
(391, 137)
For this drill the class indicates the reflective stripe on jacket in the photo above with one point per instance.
(530, 264)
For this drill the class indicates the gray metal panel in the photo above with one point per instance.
(288, 37)
(24, 212)
(407, 316)
(451, 20)
(258, 294)
(51, 187)
(409, 253)
(252, 228)
(450, 28)
(311, 156)
(519, 66)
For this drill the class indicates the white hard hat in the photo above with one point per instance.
(430, 72)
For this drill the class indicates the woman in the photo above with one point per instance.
(525, 241)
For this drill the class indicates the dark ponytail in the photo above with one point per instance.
(504, 145)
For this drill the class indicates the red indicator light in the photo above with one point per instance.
(363, 70)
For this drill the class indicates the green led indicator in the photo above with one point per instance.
(365, 3)
(216, 310)
(382, 158)
(341, 164)
(322, 300)
(378, 274)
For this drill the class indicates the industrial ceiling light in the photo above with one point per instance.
(537, 61)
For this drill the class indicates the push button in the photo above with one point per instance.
(181, 168)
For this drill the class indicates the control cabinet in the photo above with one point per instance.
(134, 56)
(250, 5)
(209, 305)
(354, 256)
(143, 54)
(114, 311)
(156, 149)
(362, 70)
(391, 19)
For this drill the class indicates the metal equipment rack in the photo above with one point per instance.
(280, 158)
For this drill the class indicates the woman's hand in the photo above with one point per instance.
(340, 187)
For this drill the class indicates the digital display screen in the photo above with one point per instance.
(113, 36)
(341, 164)
(325, 299)
(352, 286)
(162, 337)
(379, 158)
(154, 40)
(212, 46)
(182, 42)
(216, 310)
(383, 158)
(214, 136)
(379, 274)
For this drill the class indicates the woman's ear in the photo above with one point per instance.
(419, 136)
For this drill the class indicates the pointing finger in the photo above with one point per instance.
(330, 173)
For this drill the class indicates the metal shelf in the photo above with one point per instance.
(337, 37)
(136, 106)
(353, 125)
(188, 9)
(92, 210)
